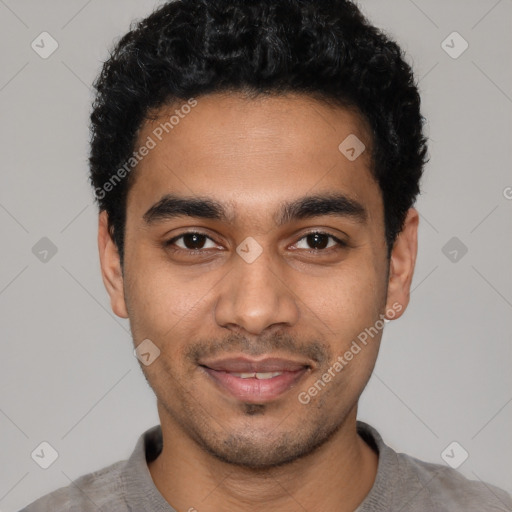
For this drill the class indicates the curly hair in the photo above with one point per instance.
(322, 48)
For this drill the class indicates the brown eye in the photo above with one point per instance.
(319, 241)
(191, 241)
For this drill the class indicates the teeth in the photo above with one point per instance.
(261, 375)
(267, 375)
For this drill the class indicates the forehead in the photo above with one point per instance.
(253, 152)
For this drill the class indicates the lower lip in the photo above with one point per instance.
(255, 390)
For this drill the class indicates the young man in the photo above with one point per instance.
(256, 165)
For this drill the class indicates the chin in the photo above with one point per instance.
(268, 449)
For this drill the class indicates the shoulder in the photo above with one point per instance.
(450, 491)
(99, 490)
(406, 483)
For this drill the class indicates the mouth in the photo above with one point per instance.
(255, 381)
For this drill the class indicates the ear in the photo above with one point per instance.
(111, 267)
(401, 266)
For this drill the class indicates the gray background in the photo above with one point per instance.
(67, 370)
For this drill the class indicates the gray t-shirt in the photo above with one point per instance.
(403, 483)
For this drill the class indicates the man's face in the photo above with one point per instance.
(227, 294)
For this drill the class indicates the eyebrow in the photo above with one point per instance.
(171, 206)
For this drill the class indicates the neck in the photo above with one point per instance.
(336, 476)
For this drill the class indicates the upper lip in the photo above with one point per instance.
(246, 365)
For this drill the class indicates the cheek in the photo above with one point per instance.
(349, 299)
(165, 304)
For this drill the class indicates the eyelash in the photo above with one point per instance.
(341, 243)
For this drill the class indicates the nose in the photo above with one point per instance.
(255, 297)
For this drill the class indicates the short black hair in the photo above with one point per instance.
(325, 49)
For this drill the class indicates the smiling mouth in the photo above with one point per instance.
(255, 381)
